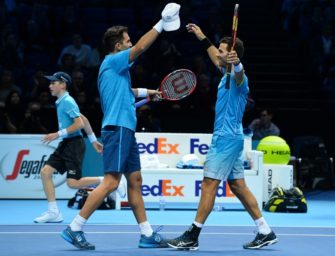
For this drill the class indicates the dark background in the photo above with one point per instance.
(290, 69)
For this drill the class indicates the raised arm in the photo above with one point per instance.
(212, 51)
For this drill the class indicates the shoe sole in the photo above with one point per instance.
(184, 248)
(54, 221)
(264, 244)
(152, 246)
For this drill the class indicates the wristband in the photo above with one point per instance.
(159, 26)
(206, 43)
(92, 137)
(62, 133)
(238, 67)
(142, 92)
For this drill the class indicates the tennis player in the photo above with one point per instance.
(224, 160)
(68, 157)
(121, 155)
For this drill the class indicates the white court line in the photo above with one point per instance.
(165, 225)
(204, 233)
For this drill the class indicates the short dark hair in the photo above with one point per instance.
(239, 47)
(112, 36)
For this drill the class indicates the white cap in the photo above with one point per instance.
(170, 16)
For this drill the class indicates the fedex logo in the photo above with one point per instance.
(196, 147)
(26, 167)
(159, 146)
(223, 190)
(164, 188)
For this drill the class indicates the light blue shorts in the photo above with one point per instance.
(224, 160)
(120, 152)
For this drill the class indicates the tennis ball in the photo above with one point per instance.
(275, 149)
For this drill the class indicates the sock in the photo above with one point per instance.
(52, 207)
(78, 223)
(198, 224)
(146, 229)
(194, 231)
(262, 226)
(101, 178)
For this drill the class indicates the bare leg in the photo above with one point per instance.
(96, 197)
(134, 181)
(208, 192)
(240, 189)
(48, 185)
(83, 182)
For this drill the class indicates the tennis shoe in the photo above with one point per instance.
(261, 240)
(184, 242)
(49, 217)
(154, 241)
(77, 239)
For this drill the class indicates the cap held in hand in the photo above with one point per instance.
(170, 16)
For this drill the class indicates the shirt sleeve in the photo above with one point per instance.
(72, 109)
(119, 61)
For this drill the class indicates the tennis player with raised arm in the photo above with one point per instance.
(224, 160)
(121, 155)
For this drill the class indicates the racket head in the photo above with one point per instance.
(234, 25)
(178, 84)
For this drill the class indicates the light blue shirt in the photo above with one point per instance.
(116, 96)
(229, 108)
(67, 111)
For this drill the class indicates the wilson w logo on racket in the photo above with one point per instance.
(175, 86)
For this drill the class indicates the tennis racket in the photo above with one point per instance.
(232, 43)
(175, 86)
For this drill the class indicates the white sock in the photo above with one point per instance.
(198, 224)
(146, 229)
(101, 178)
(262, 226)
(52, 207)
(78, 223)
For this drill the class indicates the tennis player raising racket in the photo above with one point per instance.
(224, 160)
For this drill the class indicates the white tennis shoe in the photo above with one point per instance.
(49, 217)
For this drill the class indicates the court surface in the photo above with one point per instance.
(116, 233)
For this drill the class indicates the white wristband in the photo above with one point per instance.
(92, 137)
(159, 26)
(142, 92)
(238, 67)
(62, 133)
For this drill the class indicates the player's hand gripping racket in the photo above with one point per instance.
(232, 43)
(175, 86)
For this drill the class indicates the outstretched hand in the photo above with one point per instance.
(98, 146)
(50, 137)
(193, 28)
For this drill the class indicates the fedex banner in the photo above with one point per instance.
(23, 156)
(179, 186)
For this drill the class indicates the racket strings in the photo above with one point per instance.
(178, 85)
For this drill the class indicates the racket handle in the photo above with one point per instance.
(227, 86)
(141, 102)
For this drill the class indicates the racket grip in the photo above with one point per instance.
(141, 102)
(227, 85)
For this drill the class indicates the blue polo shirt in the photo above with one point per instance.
(229, 108)
(116, 96)
(67, 110)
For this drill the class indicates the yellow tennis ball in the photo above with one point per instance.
(275, 150)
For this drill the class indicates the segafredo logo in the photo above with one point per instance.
(25, 163)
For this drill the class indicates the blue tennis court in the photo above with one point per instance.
(116, 232)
